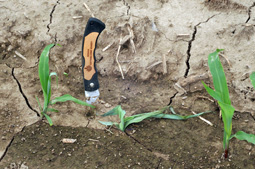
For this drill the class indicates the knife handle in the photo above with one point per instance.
(89, 71)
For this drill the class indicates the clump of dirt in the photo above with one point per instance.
(224, 5)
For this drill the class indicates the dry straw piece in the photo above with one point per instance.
(68, 140)
(207, 121)
(87, 7)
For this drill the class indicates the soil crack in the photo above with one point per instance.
(9, 145)
(51, 15)
(137, 141)
(6, 149)
(252, 116)
(157, 154)
(249, 12)
(21, 91)
(190, 44)
(171, 99)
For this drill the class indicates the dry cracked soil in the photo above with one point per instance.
(163, 63)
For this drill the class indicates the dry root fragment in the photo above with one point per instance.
(180, 89)
(68, 140)
(77, 17)
(117, 56)
(225, 57)
(203, 97)
(131, 34)
(108, 46)
(20, 55)
(90, 139)
(208, 122)
(153, 65)
(87, 7)
(164, 64)
(192, 79)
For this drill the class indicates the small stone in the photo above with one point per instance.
(9, 48)
(13, 166)
(3, 45)
(23, 166)
(3, 138)
(107, 105)
(23, 139)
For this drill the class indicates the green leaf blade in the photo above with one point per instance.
(178, 117)
(252, 78)
(219, 79)
(40, 107)
(240, 135)
(114, 111)
(43, 69)
(227, 115)
(68, 97)
(216, 95)
(48, 118)
(140, 117)
(52, 110)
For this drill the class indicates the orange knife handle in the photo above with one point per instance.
(92, 31)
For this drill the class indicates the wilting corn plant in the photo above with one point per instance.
(126, 121)
(252, 77)
(45, 79)
(221, 94)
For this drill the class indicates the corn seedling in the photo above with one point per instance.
(252, 77)
(126, 121)
(45, 80)
(221, 94)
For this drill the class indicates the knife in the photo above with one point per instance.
(89, 71)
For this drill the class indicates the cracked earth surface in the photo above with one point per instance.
(182, 36)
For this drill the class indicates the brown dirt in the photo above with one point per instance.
(187, 32)
(150, 144)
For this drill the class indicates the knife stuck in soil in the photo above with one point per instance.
(89, 71)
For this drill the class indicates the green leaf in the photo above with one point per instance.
(172, 110)
(227, 115)
(114, 111)
(240, 135)
(141, 117)
(66, 74)
(252, 77)
(54, 74)
(43, 72)
(121, 116)
(68, 97)
(178, 117)
(216, 95)
(52, 110)
(219, 79)
(107, 123)
(48, 118)
(59, 45)
(48, 91)
(49, 84)
(40, 107)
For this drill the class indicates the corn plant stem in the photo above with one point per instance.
(226, 153)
